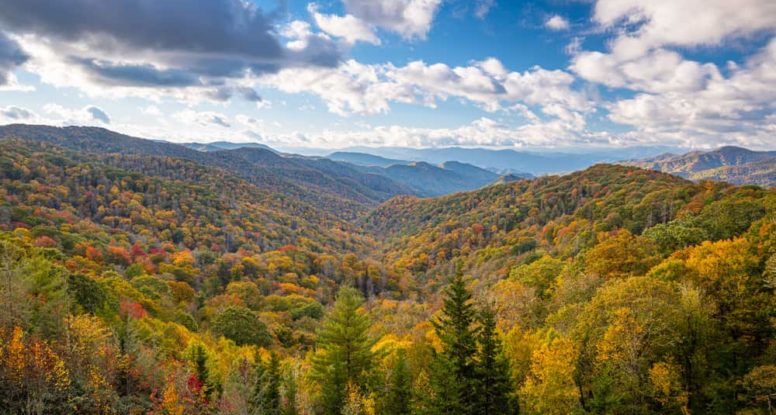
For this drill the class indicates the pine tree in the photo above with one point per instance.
(493, 373)
(453, 371)
(265, 398)
(423, 396)
(271, 395)
(256, 400)
(399, 392)
(199, 360)
(344, 356)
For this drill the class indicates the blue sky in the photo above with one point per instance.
(414, 73)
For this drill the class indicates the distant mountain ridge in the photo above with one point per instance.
(732, 164)
(364, 159)
(426, 179)
(502, 161)
(344, 187)
(225, 145)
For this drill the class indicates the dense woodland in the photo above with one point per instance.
(133, 284)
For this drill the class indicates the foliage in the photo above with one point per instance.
(151, 283)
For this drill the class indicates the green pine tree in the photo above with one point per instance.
(257, 394)
(493, 373)
(198, 357)
(344, 350)
(271, 391)
(423, 401)
(265, 399)
(453, 370)
(399, 391)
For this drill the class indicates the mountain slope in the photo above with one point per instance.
(487, 231)
(339, 189)
(430, 180)
(732, 164)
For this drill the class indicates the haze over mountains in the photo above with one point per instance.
(501, 161)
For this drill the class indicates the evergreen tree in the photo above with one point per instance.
(289, 389)
(493, 373)
(344, 356)
(399, 391)
(453, 371)
(266, 391)
(199, 360)
(256, 400)
(423, 402)
(271, 395)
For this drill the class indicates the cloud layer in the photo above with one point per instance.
(643, 84)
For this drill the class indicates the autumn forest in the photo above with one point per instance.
(145, 278)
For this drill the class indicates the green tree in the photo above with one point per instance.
(494, 382)
(265, 399)
(453, 371)
(198, 357)
(399, 389)
(242, 325)
(344, 350)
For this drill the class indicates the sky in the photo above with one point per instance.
(555, 74)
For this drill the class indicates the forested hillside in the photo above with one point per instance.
(165, 280)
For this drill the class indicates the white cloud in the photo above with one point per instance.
(409, 18)
(556, 22)
(482, 8)
(639, 57)
(482, 132)
(684, 23)
(203, 118)
(13, 113)
(738, 109)
(152, 110)
(348, 27)
(88, 115)
(370, 89)
(657, 71)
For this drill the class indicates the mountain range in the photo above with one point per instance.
(730, 164)
(499, 161)
(319, 180)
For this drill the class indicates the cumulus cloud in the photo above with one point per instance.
(481, 132)
(658, 23)
(203, 118)
(370, 89)
(556, 22)
(98, 114)
(88, 115)
(348, 27)
(657, 71)
(145, 45)
(11, 56)
(409, 18)
(15, 114)
(677, 100)
(639, 56)
(737, 109)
